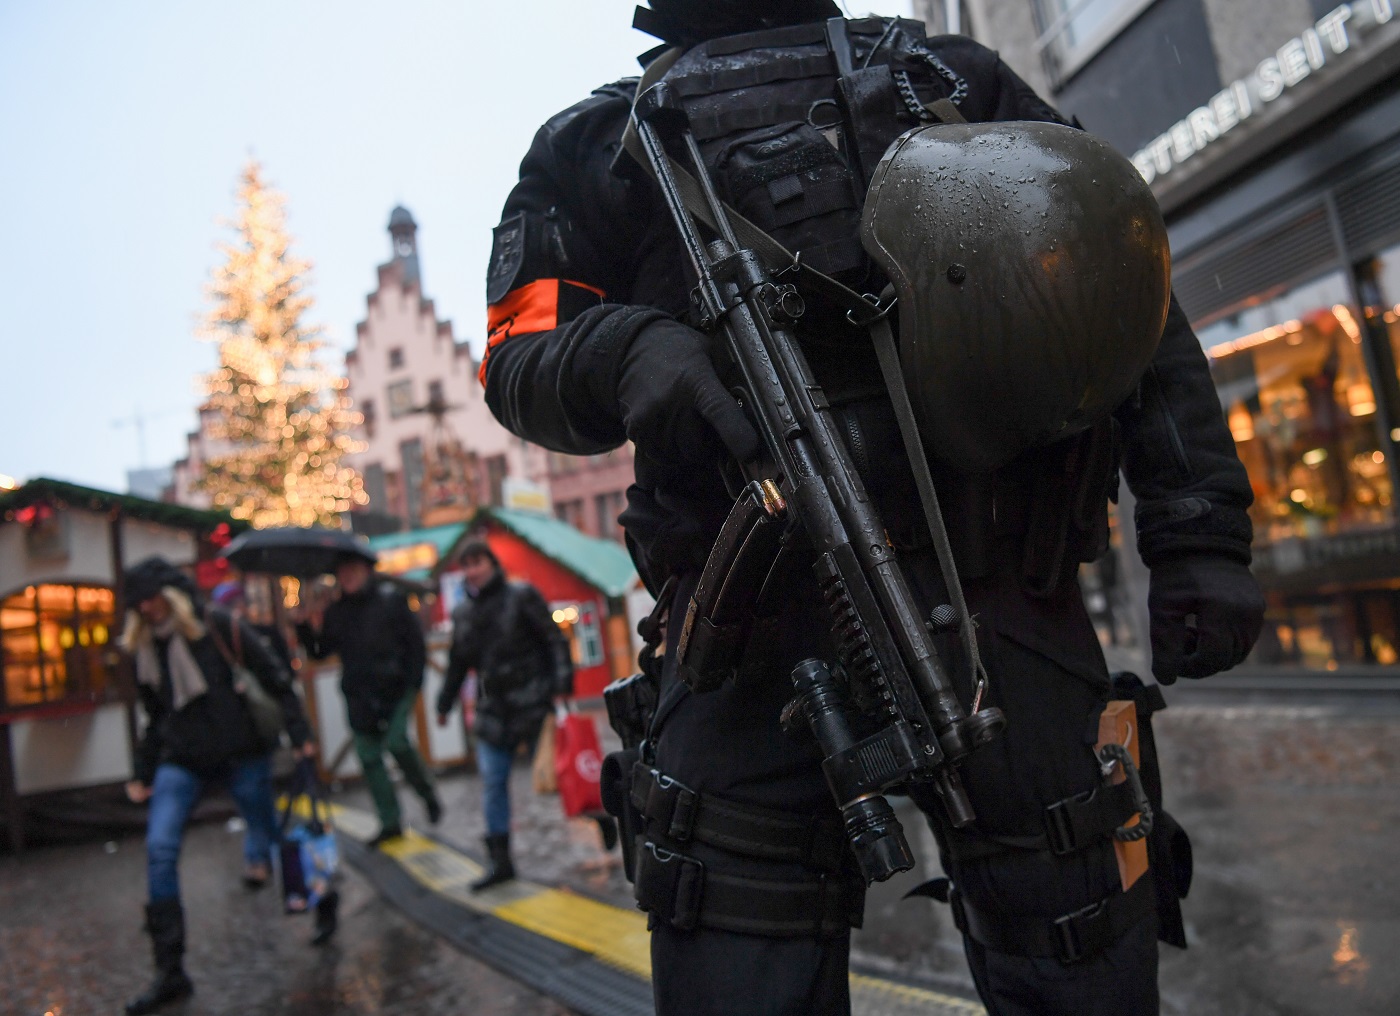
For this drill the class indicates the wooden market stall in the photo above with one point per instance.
(67, 713)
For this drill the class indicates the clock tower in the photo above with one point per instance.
(403, 233)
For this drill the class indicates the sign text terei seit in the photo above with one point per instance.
(1326, 42)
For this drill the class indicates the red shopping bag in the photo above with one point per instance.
(578, 764)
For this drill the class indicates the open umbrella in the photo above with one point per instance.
(295, 551)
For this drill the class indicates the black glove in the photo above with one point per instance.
(672, 402)
(1206, 612)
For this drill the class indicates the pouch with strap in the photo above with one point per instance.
(264, 710)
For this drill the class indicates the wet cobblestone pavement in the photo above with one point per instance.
(1292, 802)
(71, 945)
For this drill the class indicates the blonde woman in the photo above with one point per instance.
(199, 732)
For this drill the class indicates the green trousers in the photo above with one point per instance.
(371, 748)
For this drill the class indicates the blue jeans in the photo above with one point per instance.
(494, 764)
(174, 794)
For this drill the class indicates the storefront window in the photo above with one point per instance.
(1298, 398)
(53, 639)
(1381, 291)
(1292, 378)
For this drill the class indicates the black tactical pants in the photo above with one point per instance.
(1044, 756)
(719, 973)
(729, 742)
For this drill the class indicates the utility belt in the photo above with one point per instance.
(664, 822)
(1077, 823)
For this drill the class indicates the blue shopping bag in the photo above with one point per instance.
(309, 852)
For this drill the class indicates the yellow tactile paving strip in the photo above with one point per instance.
(610, 934)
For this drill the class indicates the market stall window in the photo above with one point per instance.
(54, 640)
(1292, 378)
(580, 623)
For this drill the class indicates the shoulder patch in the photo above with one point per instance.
(507, 256)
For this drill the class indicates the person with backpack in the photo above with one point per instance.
(382, 654)
(201, 729)
(504, 632)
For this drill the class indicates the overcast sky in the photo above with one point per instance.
(123, 127)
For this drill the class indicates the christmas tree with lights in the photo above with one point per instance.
(281, 422)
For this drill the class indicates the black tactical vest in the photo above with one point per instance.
(793, 120)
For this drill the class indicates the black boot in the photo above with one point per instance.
(501, 869)
(327, 908)
(165, 923)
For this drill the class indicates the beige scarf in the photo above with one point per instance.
(187, 681)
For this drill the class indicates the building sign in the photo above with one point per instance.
(1327, 41)
(524, 496)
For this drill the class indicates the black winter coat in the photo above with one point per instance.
(381, 650)
(521, 658)
(216, 728)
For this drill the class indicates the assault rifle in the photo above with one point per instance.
(805, 484)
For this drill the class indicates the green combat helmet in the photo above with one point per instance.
(1033, 276)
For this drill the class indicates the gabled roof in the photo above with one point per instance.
(603, 564)
(72, 495)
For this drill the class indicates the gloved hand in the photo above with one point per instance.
(672, 402)
(1222, 602)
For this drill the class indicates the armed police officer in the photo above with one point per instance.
(741, 860)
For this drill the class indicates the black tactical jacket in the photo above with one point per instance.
(586, 256)
(381, 650)
(521, 658)
(215, 728)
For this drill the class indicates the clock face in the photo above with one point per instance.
(404, 248)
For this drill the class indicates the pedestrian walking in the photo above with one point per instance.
(382, 654)
(503, 631)
(200, 732)
(599, 334)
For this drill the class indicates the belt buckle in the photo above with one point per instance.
(1069, 945)
(1059, 828)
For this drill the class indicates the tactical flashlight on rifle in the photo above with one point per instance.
(913, 728)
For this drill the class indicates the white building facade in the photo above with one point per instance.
(416, 386)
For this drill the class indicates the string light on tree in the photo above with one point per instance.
(282, 422)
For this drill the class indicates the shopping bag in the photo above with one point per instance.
(578, 764)
(542, 769)
(309, 853)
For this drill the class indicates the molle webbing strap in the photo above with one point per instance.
(1076, 822)
(1072, 937)
(783, 67)
(679, 815)
(682, 892)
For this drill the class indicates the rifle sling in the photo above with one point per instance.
(778, 258)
